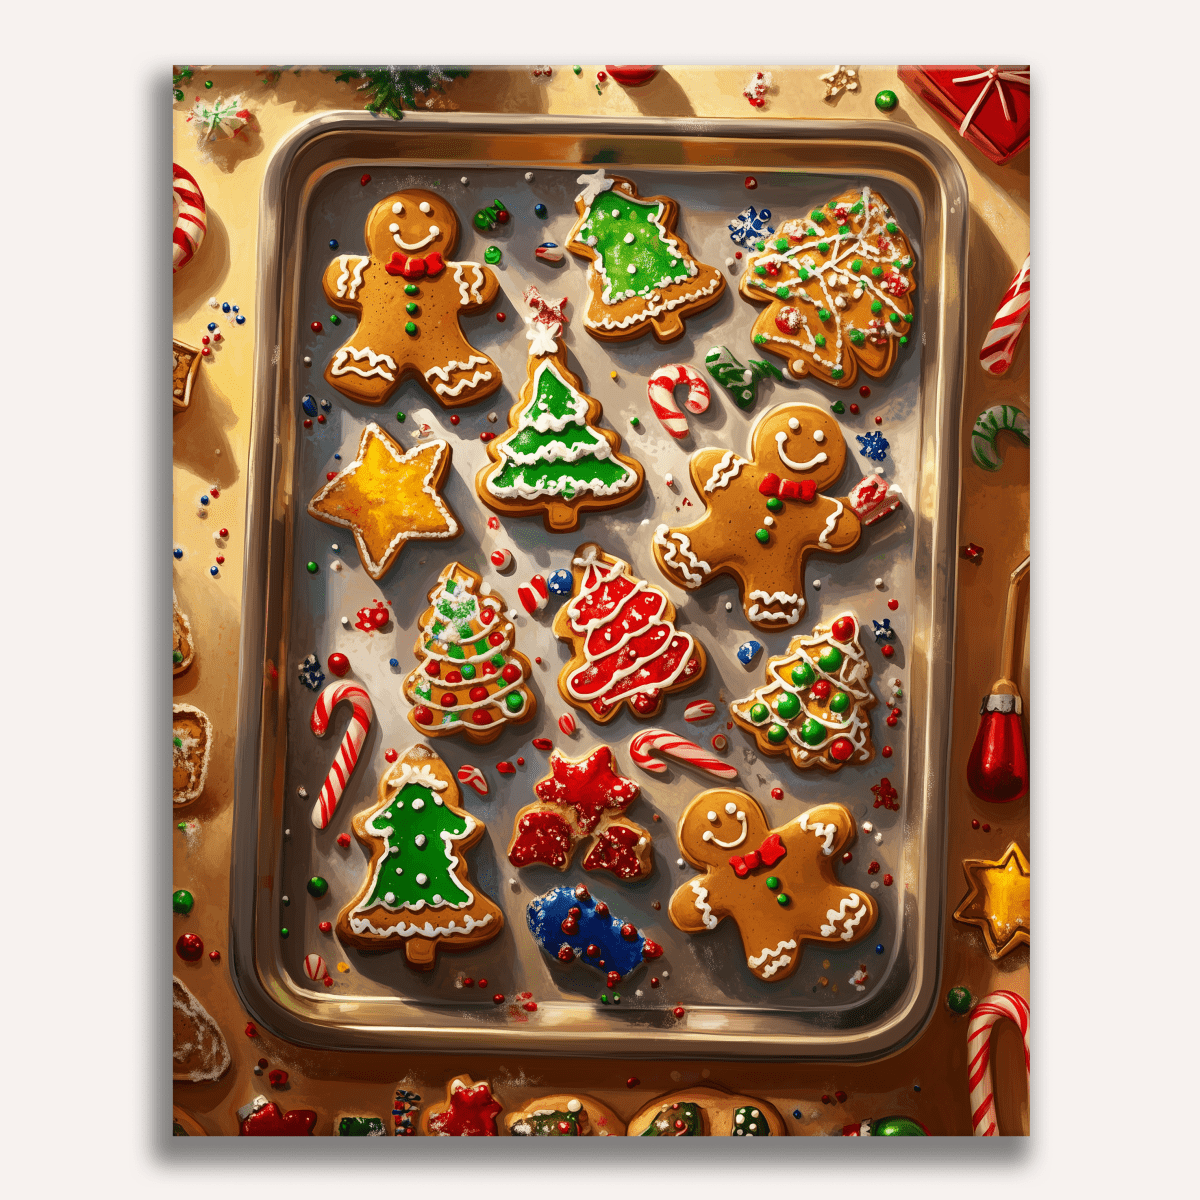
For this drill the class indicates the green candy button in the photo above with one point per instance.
(514, 702)
(182, 901)
(772, 882)
(312, 568)
(411, 289)
(838, 407)
(492, 255)
(409, 328)
(803, 675)
(774, 504)
(959, 1000)
(776, 735)
(840, 702)
(467, 671)
(176, 657)
(412, 307)
(783, 898)
(759, 713)
(885, 101)
(317, 886)
(763, 535)
(787, 706)
(829, 659)
(812, 732)
(782, 291)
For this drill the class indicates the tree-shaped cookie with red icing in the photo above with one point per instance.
(408, 296)
(815, 705)
(627, 649)
(641, 275)
(838, 285)
(778, 885)
(470, 1111)
(766, 514)
(582, 798)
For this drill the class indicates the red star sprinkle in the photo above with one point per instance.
(886, 795)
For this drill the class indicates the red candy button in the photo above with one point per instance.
(339, 664)
(843, 629)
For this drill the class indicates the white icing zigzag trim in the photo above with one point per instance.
(429, 929)
(476, 296)
(706, 912)
(848, 923)
(724, 471)
(831, 524)
(823, 832)
(680, 543)
(377, 362)
(443, 373)
(355, 281)
(756, 960)
(787, 616)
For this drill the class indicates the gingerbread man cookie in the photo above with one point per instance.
(766, 514)
(777, 884)
(408, 297)
(640, 275)
(838, 285)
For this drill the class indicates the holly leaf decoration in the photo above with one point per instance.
(389, 89)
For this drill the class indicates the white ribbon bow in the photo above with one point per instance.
(993, 75)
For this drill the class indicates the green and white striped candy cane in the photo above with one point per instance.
(988, 425)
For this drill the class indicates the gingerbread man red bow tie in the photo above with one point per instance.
(767, 855)
(788, 489)
(414, 268)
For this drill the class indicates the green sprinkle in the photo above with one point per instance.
(772, 882)
(877, 271)
(876, 307)
(760, 338)
(781, 243)
(856, 265)
(903, 341)
(616, 997)
(774, 504)
(804, 274)
(400, 417)
(894, 318)
(843, 229)
(760, 245)
(334, 319)
(776, 735)
(181, 825)
(837, 372)
(409, 328)
(759, 712)
(182, 901)
(820, 340)
(411, 308)
(760, 270)
(498, 660)
(823, 247)
(817, 215)
(908, 317)
(823, 314)
(411, 289)
(763, 535)
(857, 208)
(317, 886)
(838, 407)
(176, 657)
(857, 336)
(892, 227)
(783, 898)
(492, 255)
(283, 932)
(803, 675)
(603, 997)
(886, 100)
(312, 568)
(782, 291)
(577, 70)
(634, 422)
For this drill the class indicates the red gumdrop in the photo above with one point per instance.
(481, 716)
(339, 664)
(840, 749)
(821, 689)
(453, 677)
(998, 768)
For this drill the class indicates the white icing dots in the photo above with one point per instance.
(818, 436)
(426, 208)
(712, 816)
(574, 1106)
(389, 897)
(417, 804)
(793, 424)
(629, 239)
(419, 839)
(616, 212)
(393, 228)
(422, 879)
(398, 209)
(631, 269)
(434, 231)
(731, 808)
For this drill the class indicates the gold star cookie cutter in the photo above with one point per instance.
(998, 900)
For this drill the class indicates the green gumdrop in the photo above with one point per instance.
(812, 732)
(803, 675)
(897, 1127)
(763, 535)
(777, 735)
(182, 901)
(176, 657)
(759, 713)
(839, 702)
(514, 702)
(829, 659)
(787, 706)
(774, 504)
(958, 999)
(838, 407)
(317, 886)
(492, 255)
(467, 671)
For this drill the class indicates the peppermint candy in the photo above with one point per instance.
(567, 724)
(534, 594)
(550, 252)
(700, 710)
(661, 390)
(314, 967)
(473, 777)
(502, 559)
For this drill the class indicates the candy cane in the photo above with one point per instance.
(190, 225)
(533, 595)
(700, 710)
(347, 755)
(661, 390)
(987, 428)
(473, 777)
(666, 742)
(987, 1012)
(997, 353)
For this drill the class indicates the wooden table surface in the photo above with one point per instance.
(210, 450)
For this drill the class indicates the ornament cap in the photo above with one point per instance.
(1001, 703)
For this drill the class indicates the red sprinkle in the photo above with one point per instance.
(777, 793)
(251, 1029)
(751, 182)
(893, 605)
(262, 1062)
(365, 180)
(483, 983)
(220, 559)
(677, 1012)
(455, 418)
(601, 75)
(501, 317)
(214, 492)
(343, 840)
(520, 762)
(498, 998)
(854, 409)
(277, 1078)
(325, 927)
(506, 768)
(888, 651)
(215, 955)
(469, 981)
(339, 664)
(873, 869)
(316, 327)
(887, 881)
(542, 744)
(486, 436)
(330, 475)
(891, 720)
(987, 828)
(538, 660)
(320, 418)
(864, 391)
(189, 947)
(840, 1096)
(973, 552)
(655, 981)
(390, 755)
(205, 352)
(847, 857)
(878, 420)
(737, 254)
(886, 752)
(223, 532)
(530, 1006)
(307, 423)
(632, 1081)
(974, 823)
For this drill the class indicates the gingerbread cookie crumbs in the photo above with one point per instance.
(185, 366)
(191, 743)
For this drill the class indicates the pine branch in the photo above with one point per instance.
(389, 89)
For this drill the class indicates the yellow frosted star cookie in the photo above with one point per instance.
(388, 496)
(998, 902)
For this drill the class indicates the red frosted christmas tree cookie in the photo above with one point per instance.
(471, 679)
(816, 702)
(582, 798)
(627, 649)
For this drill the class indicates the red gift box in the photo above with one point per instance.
(989, 106)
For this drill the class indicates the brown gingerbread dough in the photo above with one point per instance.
(408, 296)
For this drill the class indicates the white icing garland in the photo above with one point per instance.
(724, 471)
(359, 264)
(375, 362)
(680, 543)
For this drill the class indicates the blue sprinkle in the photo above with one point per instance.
(309, 405)
(879, 948)
(311, 674)
(333, 243)
(211, 326)
(225, 306)
(539, 210)
(212, 570)
(883, 630)
(874, 445)
(916, 1087)
(326, 404)
(561, 583)
(393, 663)
(750, 225)
(178, 551)
(204, 500)
(338, 457)
(796, 1113)
(235, 308)
(240, 320)
(747, 652)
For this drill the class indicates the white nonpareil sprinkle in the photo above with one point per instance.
(345, 620)
(879, 583)
(728, 606)
(302, 792)
(816, 585)
(528, 176)
(631, 269)
(679, 862)
(333, 545)
(463, 180)
(669, 479)
(874, 885)
(867, 827)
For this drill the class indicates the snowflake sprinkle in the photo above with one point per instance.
(750, 225)
(874, 445)
(883, 630)
(311, 674)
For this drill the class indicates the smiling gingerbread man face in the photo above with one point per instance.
(408, 296)
(778, 884)
(766, 514)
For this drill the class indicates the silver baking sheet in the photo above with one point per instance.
(314, 193)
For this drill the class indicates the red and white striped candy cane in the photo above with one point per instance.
(987, 1012)
(699, 710)
(533, 595)
(351, 744)
(190, 218)
(666, 742)
(1001, 342)
(661, 390)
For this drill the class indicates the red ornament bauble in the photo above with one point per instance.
(631, 76)
(998, 768)
(189, 947)
(422, 715)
